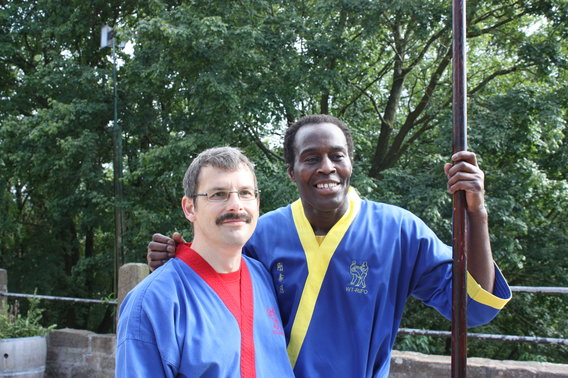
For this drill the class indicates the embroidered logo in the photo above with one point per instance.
(358, 275)
(276, 326)
(280, 270)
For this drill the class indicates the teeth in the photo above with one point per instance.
(327, 185)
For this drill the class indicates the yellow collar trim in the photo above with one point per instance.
(318, 258)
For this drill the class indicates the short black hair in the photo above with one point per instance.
(314, 119)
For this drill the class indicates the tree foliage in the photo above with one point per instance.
(208, 73)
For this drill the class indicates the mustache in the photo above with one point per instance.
(230, 216)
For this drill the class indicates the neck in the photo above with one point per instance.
(323, 221)
(225, 259)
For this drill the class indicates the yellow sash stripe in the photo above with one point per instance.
(317, 258)
(478, 294)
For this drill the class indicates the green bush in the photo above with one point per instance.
(13, 324)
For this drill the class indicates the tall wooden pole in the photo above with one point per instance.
(459, 109)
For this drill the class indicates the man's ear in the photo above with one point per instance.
(291, 173)
(188, 208)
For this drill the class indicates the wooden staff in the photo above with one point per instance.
(459, 109)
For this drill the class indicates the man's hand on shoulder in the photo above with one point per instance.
(161, 249)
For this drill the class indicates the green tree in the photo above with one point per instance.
(54, 142)
(208, 73)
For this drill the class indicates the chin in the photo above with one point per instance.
(329, 205)
(237, 239)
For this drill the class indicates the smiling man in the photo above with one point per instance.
(343, 267)
(210, 312)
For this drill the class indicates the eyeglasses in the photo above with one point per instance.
(223, 195)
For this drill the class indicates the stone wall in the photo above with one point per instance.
(79, 353)
(73, 353)
(412, 364)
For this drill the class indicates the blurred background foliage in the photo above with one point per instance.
(198, 74)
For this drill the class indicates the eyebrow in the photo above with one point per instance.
(223, 188)
(333, 148)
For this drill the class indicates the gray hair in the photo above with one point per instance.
(226, 158)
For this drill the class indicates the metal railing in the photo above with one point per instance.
(511, 338)
(540, 289)
(402, 331)
(55, 298)
(486, 336)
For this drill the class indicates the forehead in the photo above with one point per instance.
(216, 178)
(326, 136)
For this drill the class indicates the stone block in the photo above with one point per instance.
(3, 280)
(57, 371)
(3, 287)
(129, 275)
(103, 343)
(99, 362)
(71, 338)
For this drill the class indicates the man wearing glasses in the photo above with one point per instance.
(343, 267)
(210, 311)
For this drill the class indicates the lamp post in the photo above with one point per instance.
(108, 38)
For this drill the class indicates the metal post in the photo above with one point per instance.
(459, 109)
(117, 168)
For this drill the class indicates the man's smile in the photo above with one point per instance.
(327, 185)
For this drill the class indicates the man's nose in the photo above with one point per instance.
(327, 165)
(234, 201)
